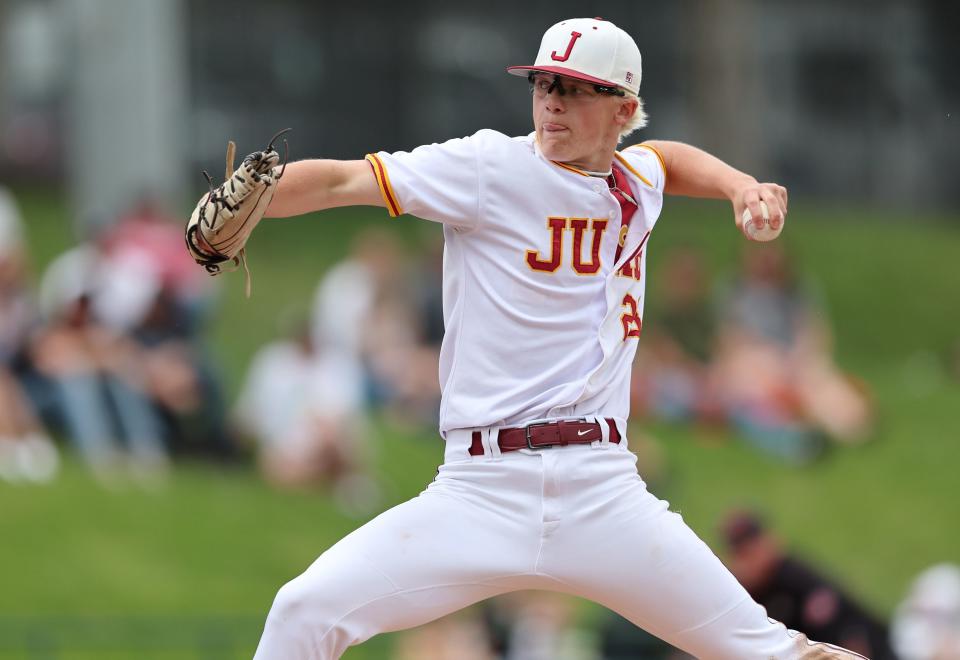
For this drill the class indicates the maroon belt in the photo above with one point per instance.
(547, 434)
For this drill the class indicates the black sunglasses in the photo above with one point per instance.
(557, 84)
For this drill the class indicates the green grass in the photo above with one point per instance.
(85, 564)
(189, 571)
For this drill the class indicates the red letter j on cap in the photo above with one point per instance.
(573, 39)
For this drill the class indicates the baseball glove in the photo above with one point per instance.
(223, 219)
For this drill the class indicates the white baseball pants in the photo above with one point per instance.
(575, 519)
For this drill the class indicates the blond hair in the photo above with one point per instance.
(637, 121)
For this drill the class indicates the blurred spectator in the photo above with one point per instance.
(621, 640)
(926, 625)
(779, 382)
(351, 289)
(671, 378)
(181, 381)
(460, 636)
(146, 243)
(26, 452)
(117, 360)
(144, 286)
(365, 308)
(537, 625)
(428, 288)
(796, 594)
(302, 403)
(92, 374)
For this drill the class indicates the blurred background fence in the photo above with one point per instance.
(853, 101)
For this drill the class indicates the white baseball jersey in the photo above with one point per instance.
(542, 319)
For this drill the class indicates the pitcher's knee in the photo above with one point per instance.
(303, 623)
(293, 606)
(338, 602)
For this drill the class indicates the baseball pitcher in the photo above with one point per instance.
(546, 241)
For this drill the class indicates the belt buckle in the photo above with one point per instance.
(526, 432)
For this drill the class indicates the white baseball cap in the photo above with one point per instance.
(590, 49)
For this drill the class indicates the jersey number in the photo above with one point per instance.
(632, 323)
(558, 228)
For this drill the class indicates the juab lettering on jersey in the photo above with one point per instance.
(632, 267)
(558, 227)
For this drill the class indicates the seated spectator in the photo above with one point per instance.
(26, 451)
(780, 385)
(459, 636)
(181, 381)
(350, 290)
(926, 625)
(621, 640)
(536, 625)
(796, 594)
(364, 307)
(428, 288)
(94, 375)
(671, 377)
(423, 383)
(302, 404)
(147, 238)
(149, 288)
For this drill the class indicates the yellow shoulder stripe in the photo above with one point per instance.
(637, 174)
(656, 152)
(386, 190)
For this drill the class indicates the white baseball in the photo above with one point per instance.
(765, 232)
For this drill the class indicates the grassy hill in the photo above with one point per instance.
(188, 571)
